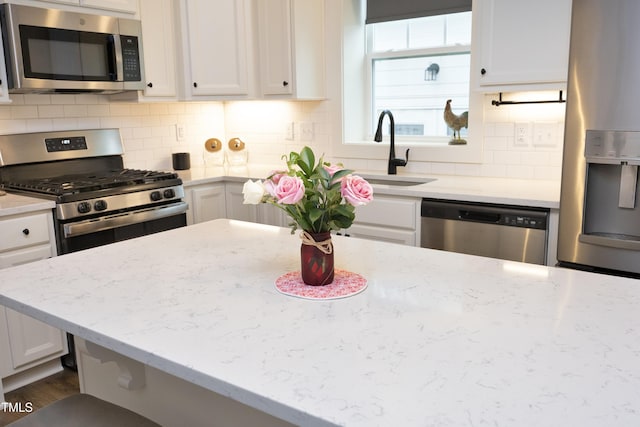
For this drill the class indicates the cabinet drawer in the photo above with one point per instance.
(384, 234)
(25, 255)
(389, 212)
(24, 231)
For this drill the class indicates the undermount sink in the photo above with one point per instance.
(399, 182)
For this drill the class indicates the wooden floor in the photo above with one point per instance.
(41, 393)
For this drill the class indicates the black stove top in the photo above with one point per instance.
(76, 184)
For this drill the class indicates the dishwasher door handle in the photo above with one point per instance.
(488, 217)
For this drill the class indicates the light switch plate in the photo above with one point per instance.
(545, 134)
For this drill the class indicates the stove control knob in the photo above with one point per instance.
(84, 207)
(155, 196)
(100, 205)
(169, 193)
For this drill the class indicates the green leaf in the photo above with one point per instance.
(342, 172)
(315, 214)
(307, 161)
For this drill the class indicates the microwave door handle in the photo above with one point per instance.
(117, 45)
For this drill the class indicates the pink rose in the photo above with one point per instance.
(356, 190)
(273, 180)
(332, 169)
(289, 190)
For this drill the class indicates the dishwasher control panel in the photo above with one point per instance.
(507, 215)
(524, 221)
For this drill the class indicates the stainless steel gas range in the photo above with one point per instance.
(98, 201)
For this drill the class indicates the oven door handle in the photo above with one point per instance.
(123, 219)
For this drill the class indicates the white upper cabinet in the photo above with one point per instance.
(158, 36)
(520, 43)
(291, 48)
(215, 47)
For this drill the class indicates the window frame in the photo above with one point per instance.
(371, 57)
(346, 101)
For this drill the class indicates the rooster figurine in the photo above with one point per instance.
(455, 122)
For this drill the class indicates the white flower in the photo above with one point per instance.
(253, 192)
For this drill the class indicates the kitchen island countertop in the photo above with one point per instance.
(437, 338)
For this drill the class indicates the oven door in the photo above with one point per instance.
(79, 235)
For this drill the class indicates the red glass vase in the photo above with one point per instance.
(316, 256)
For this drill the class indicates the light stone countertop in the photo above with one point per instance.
(437, 338)
(519, 192)
(13, 204)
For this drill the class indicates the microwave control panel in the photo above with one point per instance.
(130, 59)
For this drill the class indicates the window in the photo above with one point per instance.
(416, 65)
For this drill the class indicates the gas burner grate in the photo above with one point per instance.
(82, 183)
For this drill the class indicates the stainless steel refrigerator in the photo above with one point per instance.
(599, 225)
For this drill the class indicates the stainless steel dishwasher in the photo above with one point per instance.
(497, 231)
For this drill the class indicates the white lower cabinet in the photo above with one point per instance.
(390, 219)
(387, 218)
(29, 349)
(236, 209)
(206, 202)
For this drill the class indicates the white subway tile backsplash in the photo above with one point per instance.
(507, 157)
(58, 99)
(98, 110)
(36, 99)
(39, 125)
(50, 111)
(75, 110)
(149, 131)
(520, 171)
(24, 112)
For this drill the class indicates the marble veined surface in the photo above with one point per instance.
(437, 338)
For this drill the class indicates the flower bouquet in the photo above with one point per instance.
(319, 197)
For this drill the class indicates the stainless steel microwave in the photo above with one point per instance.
(56, 51)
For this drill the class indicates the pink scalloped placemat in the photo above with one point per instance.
(345, 284)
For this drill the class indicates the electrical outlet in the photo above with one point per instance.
(545, 134)
(522, 135)
(290, 134)
(306, 131)
(180, 132)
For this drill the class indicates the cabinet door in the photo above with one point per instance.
(217, 45)
(130, 6)
(291, 48)
(208, 203)
(31, 340)
(25, 255)
(274, 29)
(272, 215)
(158, 35)
(236, 209)
(522, 41)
